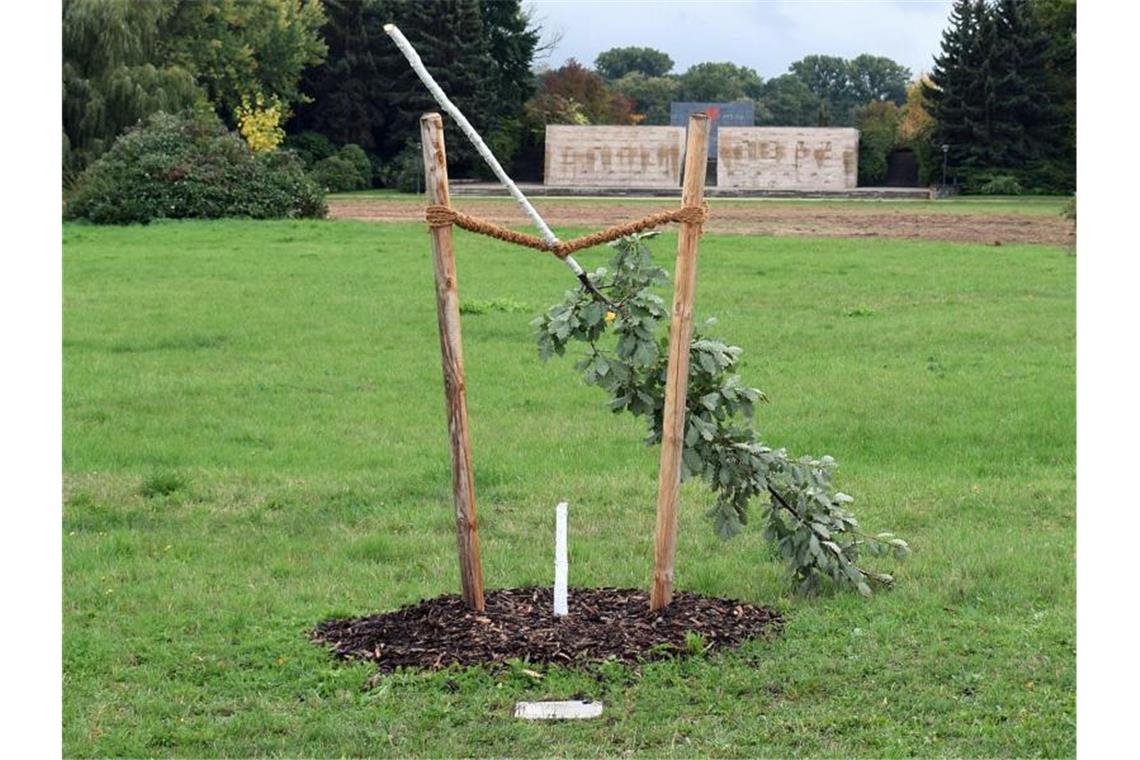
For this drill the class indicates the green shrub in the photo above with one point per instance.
(310, 146)
(189, 166)
(405, 172)
(337, 175)
(1001, 184)
(355, 155)
(348, 170)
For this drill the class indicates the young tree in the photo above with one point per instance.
(615, 63)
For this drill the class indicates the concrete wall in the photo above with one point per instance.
(788, 158)
(614, 156)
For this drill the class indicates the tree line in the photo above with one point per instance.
(319, 76)
(1003, 94)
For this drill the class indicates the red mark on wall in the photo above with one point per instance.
(713, 113)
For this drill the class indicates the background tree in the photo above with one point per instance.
(479, 51)
(996, 101)
(1058, 19)
(651, 96)
(957, 89)
(124, 60)
(573, 94)
(241, 50)
(615, 63)
(878, 126)
(875, 77)
(348, 89)
(719, 83)
(113, 75)
(843, 87)
(826, 78)
(1024, 127)
(916, 130)
(786, 101)
(512, 43)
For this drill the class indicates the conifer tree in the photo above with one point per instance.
(478, 50)
(1058, 20)
(1024, 124)
(994, 100)
(347, 90)
(956, 91)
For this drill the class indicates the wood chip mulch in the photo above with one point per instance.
(518, 623)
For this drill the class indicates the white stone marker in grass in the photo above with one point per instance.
(561, 566)
(573, 709)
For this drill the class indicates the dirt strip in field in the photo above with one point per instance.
(751, 219)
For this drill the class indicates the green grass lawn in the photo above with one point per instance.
(255, 440)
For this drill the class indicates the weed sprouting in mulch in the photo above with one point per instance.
(518, 624)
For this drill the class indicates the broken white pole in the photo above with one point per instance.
(568, 710)
(561, 563)
(481, 147)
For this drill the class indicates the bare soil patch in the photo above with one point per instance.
(603, 624)
(749, 219)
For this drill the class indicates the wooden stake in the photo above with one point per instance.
(451, 351)
(677, 377)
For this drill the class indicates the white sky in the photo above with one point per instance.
(766, 36)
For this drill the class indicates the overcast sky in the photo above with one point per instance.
(766, 36)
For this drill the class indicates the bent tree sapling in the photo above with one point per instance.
(805, 516)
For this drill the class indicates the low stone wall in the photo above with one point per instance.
(589, 156)
(788, 158)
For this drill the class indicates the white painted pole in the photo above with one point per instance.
(561, 563)
(465, 126)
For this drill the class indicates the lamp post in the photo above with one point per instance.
(945, 152)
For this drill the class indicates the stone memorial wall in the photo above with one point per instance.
(787, 158)
(601, 156)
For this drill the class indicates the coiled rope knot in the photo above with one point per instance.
(445, 216)
(440, 216)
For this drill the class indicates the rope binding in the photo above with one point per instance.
(445, 216)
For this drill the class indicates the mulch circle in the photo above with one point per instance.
(518, 623)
